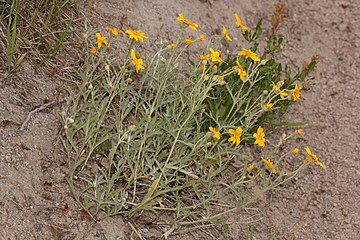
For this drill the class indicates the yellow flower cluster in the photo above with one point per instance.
(235, 135)
(135, 35)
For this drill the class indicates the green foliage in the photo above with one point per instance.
(140, 140)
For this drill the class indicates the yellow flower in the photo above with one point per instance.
(283, 94)
(132, 127)
(100, 40)
(313, 157)
(184, 21)
(136, 61)
(296, 151)
(295, 94)
(275, 87)
(225, 34)
(202, 37)
(173, 45)
(241, 71)
(188, 41)
(259, 137)
(215, 55)
(113, 31)
(136, 35)
(251, 167)
(215, 133)
(215, 67)
(93, 50)
(268, 163)
(148, 117)
(269, 105)
(202, 67)
(236, 134)
(299, 131)
(205, 57)
(239, 24)
(249, 54)
(130, 80)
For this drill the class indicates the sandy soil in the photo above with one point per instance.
(35, 202)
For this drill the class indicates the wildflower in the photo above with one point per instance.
(113, 31)
(100, 40)
(236, 134)
(215, 67)
(136, 35)
(202, 37)
(107, 67)
(259, 137)
(295, 94)
(93, 50)
(173, 45)
(188, 41)
(205, 57)
(239, 24)
(313, 157)
(251, 167)
(275, 87)
(296, 151)
(225, 34)
(241, 71)
(215, 133)
(269, 105)
(215, 55)
(136, 61)
(132, 127)
(184, 21)
(130, 80)
(283, 94)
(299, 131)
(148, 117)
(268, 163)
(249, 54)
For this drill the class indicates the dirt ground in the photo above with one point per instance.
(35, 202)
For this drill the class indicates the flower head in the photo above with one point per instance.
(215, 133)
(205, 57)
(188, 41)
(236, 134)
(275, 87)
(296, 151)
(259, 137)
(202, 37)
(269, 164)
(249, 54)
(186, 22)
(215, 55)
(283, 94)
(313, 157)
(93, 50)
(269, 105)
(251, 167)
(113, 31)
(239, 24)
(136, 61)
(173, 45)
(100, 40)
(241, 71)
(299, 131)
(226, 34)
(295, 94)
(136, 35)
